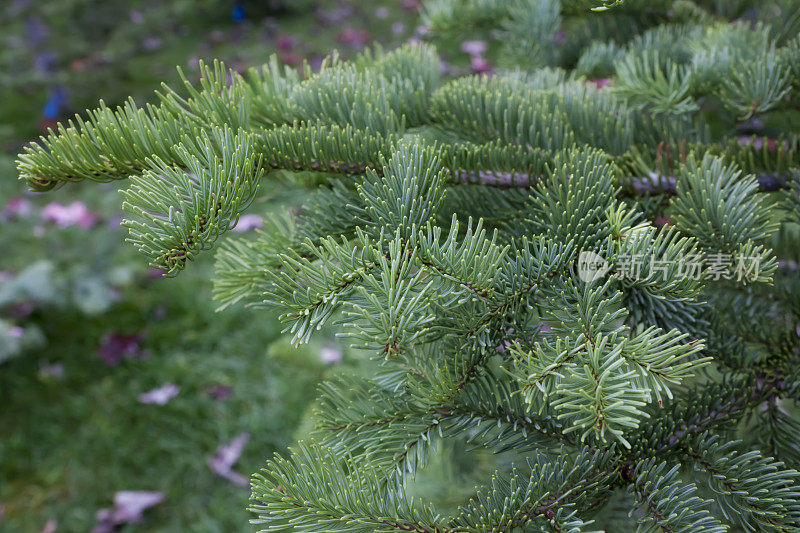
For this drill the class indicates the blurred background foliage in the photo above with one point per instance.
(86, 327)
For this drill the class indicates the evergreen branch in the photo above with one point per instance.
(659, 184)
(241, 265)
(394, 432)
(343, 94)
(414, 61)
(565, 482)
(791, 200)
(269, 88)
(310, 288)
(754, 491)
(756, 87)
(646, 84)
(670, 506)
(448, 15)
(494, 338)
(732, 214)
(598, 397)
(472, 263)
(391, 313)
(329, 211)
(714, 407)
(718, 207)
(595, 374)
(215, 101)
(661, 359)
(571, 204)
(654, 273)
(321, 147)
(314, 490)
(489, 109)
(501, 419)
(407, 194)
(535, 262)
(529, 32)
(782, 427)
(109, 145)
(182, 209)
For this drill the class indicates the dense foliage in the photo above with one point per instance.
(587, 263)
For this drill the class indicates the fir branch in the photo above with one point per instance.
(670, 506)
(519, 500)
(109, 145)
(288, 494)
(309, 289)
(713, 407)
(182, 209)
(754, 491)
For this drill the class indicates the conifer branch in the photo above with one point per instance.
(450, 235)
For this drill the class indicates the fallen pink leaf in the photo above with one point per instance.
(74, 214)
(161, 395)
(474, 48)
(128, 509)
(16, 207)
(227, 455)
